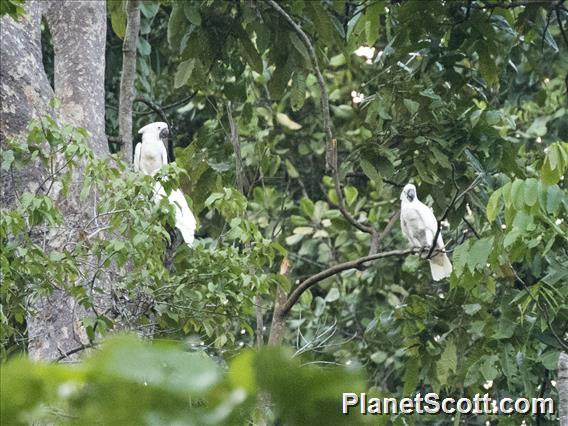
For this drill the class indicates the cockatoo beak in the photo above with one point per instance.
(411, 194)
(164, 133)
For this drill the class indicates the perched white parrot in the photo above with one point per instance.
(149, 157)
(151, 154)
(419, 226)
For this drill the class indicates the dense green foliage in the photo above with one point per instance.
(461, 98)
(131, 383)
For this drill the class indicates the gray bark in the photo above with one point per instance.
(23, 94)
(127, 78)
(562, 386)
(79, 31)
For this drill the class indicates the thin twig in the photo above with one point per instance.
(455, 199)
(74, 351)
(562, 31)
(166, 107)
(471, 228)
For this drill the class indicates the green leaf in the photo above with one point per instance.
(292, 171)
(287, 122)
(144, 47)
(493, 205)
(117, 17)
(487, 65)
(471, 309)
(447, 363)
(333, 295)
(488, 369)
(379, 357)
(531, 191)
(183, 73)
(279, 80)
(517, 194)
(351, 194)
(411, 377)
(299, 46)
(298, 91)
(474, 117)
(324, 23)
(175, 26)
(191, 11)
(538, 127)
(554, 197)
(550, 360)
(479, 253)
(373, 22)
(7, 157)
(249, 52)
(370, 171)
(241, 371)
(411, 106)
(460, 258)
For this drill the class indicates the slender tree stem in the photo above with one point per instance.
(331, 161)
(127, 77)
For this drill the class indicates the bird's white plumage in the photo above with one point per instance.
(149, 157)
(151, 154)
(184, 219)
(419, 226)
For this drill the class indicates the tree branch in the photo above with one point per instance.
(74, 351)
(331, 162)
(336, 269)
(513, 4)
(321, 82)
(241, 179)
(166, 107)
(127, 77)
(377, 238)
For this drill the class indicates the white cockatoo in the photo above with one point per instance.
(149, 156)
(419, 226)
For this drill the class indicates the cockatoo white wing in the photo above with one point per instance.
(164, 155)
(137, 152)
(185, 221)
(415, 223)
(429, 222)
(184, 218)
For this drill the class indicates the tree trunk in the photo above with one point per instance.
(79, 31)
(562, 387)
(24, 89)
(127, 78)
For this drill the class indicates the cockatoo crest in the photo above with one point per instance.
(159, 130)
